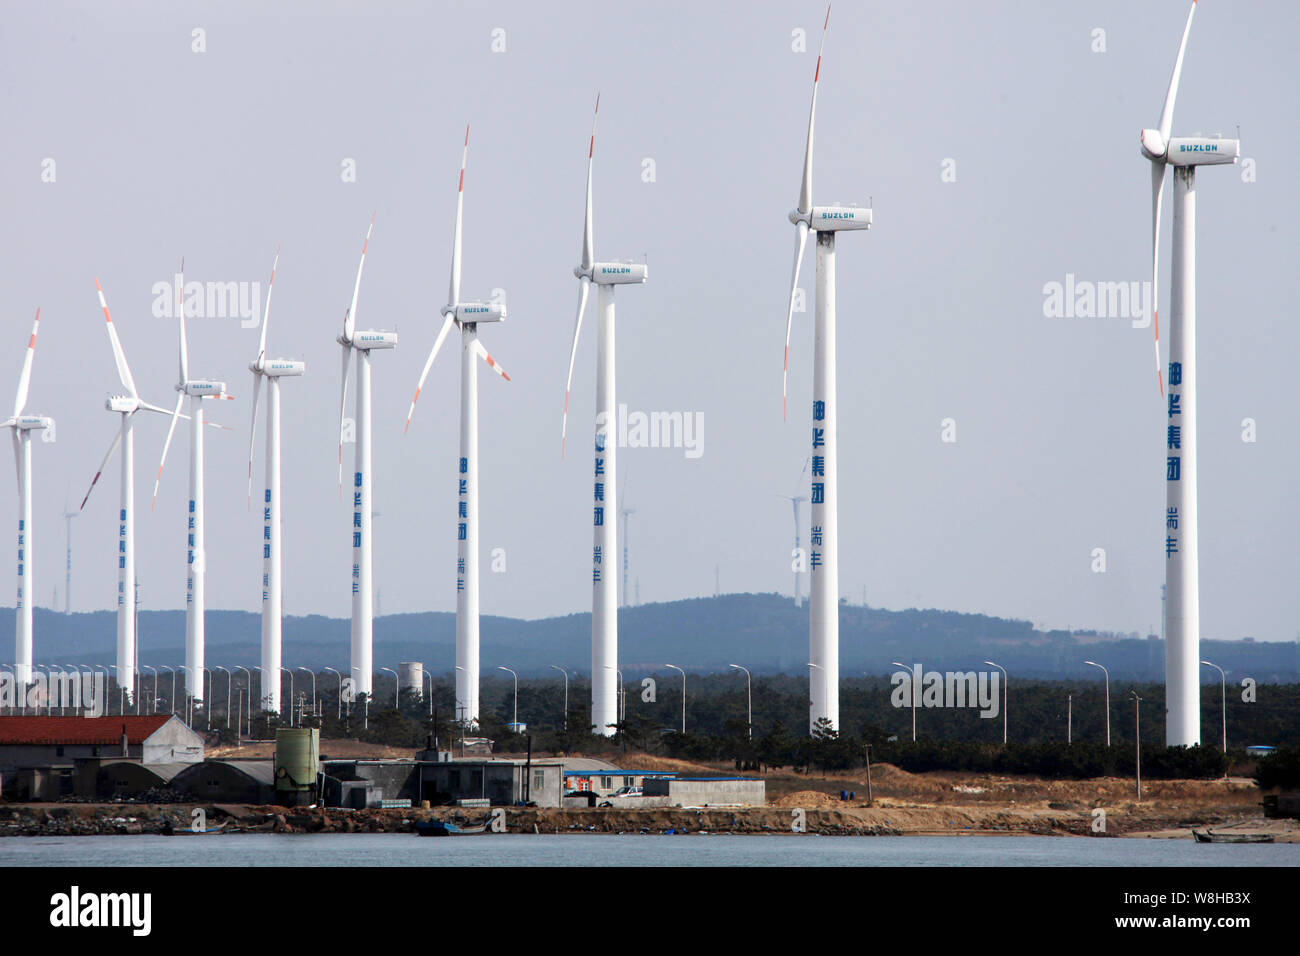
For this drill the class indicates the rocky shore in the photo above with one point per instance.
(46, 820)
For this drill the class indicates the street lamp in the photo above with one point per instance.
(313, 690)
(566, 693)
(1069, 718)
(153, 702)
(229, 677)
(249, 678)
(911, 683)
(397, 688)
(1004, 699)
(425, 675)
(683, 673)
(622, 696)
(207, 700)
(749, 698)
(172, 699)
(1137, 736)
(277, 677)
(1107, 673)
(340, 677)
(1223, 687)
(516, 710)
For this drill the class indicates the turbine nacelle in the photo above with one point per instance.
(614, 273)
(1202, 151)
(368, 341)
(203, 388)
(834, 218)
(33, 422)
(124, 404)
(474, 312)
(280, 368)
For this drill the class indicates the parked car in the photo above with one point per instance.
(628, 792)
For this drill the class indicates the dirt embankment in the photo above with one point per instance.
(813, 811)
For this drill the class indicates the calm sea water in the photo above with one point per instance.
(393, 849)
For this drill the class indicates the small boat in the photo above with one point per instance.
(188, 831)
(446, 828)
(1209, 836)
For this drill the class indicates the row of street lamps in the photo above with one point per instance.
(749, 693)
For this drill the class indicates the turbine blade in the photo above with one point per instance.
(805, 187)
(266, 315)
(123, 370)
(428, 364)
(252, 433)
(453, 291)
(584, 288)
(343, 404)
(1167, 113)
(588, 237)
(171, 430)
(18, 458)
(25, 379)
(1157, 194)
(117, 440)
(800, 241)
(350, 320)
(162, 411)
(491, 362)
(185, 357)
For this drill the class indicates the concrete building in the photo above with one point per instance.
(500, 781)
(228, 781)
(605, 780)
(44, 758)
(708, 791)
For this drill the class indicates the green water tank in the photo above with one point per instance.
(297, 757)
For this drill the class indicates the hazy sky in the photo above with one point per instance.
(162, 152)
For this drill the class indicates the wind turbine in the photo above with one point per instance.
(795, 500)
(823, 554)
(67, 570)
(126, 406)
(196, 555)
(466, 316)
(1182, 572)
(272, 559)
(604, 601)
(362, 482)
(21, 427)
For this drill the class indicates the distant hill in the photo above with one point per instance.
(764, 632)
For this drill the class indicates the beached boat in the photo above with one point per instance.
(1209, 836)
(446, 828)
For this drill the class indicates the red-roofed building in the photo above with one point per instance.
(38, 755)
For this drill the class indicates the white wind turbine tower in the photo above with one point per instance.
(823, 532)
(195, 546)
(21, 427)
(126, 406)
(604, 602)
(272, 558)
(625, 512)
(362, 480)
(466, 316)
(795, 500)
(67, 570)
(1182, 574)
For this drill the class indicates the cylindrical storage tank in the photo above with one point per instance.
(297, 758)
(412, 677)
